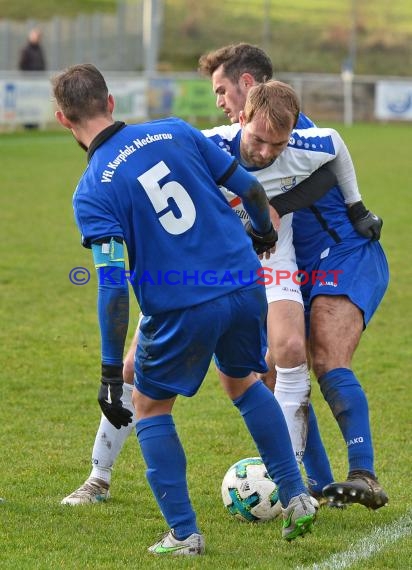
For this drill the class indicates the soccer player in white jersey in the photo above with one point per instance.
(331, 233)
(262, 142)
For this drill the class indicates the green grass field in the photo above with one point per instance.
(50, 354)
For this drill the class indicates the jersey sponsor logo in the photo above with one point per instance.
(235, 202)
(237, 206)
(243, 215)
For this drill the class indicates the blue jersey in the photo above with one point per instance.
(304, 122)
(154, 186)
(326, 223)
(320, 227)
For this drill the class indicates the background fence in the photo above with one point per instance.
(27, 98)
(126, 44)
(110, 41)
(320, 36)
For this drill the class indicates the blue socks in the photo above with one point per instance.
(166, 472)
(348, 403)
(266, 424)
(315, 459)
(166, 461)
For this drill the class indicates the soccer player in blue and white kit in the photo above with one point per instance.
(328, 236)
(154, 188)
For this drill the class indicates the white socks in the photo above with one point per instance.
(292, 391)
(109, 440)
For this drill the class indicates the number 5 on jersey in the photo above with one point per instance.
(167, 199)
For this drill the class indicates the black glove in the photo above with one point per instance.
(261, 242)
(110, 393)
(366, 223)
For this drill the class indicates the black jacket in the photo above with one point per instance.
(32, 58)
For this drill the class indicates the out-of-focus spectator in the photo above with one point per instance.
(32, 59)
(32, 55)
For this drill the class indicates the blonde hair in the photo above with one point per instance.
(276, 103)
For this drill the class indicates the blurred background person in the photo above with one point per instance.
(32, 59)
(32, 55)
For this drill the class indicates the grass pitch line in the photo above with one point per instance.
(368, 546)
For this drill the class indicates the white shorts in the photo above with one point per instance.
(281, 271)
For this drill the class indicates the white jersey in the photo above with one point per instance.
(308, 150)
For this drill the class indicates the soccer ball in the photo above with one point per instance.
(249, 493)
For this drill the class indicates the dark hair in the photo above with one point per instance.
(237, 59)
(81, 92)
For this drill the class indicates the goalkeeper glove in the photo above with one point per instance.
(261, 242)
(110, 394)
(366, 223)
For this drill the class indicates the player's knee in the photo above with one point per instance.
(291, 352)
(325, 358)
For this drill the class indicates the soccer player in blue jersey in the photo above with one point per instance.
(154, 188)
(331, 234)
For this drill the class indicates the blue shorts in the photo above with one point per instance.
(361, 273)
(174, 349)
